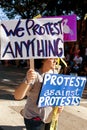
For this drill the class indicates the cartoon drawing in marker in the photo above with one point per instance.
(66, 27)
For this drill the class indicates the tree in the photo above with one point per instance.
(23, 8)
(31, 8)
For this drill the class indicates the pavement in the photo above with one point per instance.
(72, 118)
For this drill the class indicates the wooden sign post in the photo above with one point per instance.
(32, 60)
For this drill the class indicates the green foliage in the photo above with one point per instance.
(31, 8)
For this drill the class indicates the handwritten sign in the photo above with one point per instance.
(61, 90)
(32, 38)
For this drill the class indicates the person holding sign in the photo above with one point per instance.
(36, 118)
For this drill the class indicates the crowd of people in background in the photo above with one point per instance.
(75, 57)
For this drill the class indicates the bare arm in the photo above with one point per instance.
(22, 89)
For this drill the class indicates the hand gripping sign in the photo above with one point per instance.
(60, 90)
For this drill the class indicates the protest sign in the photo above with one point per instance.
(69, 27)
(32, 38)
(61, 90)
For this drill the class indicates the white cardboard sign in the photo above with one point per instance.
(32, 38)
